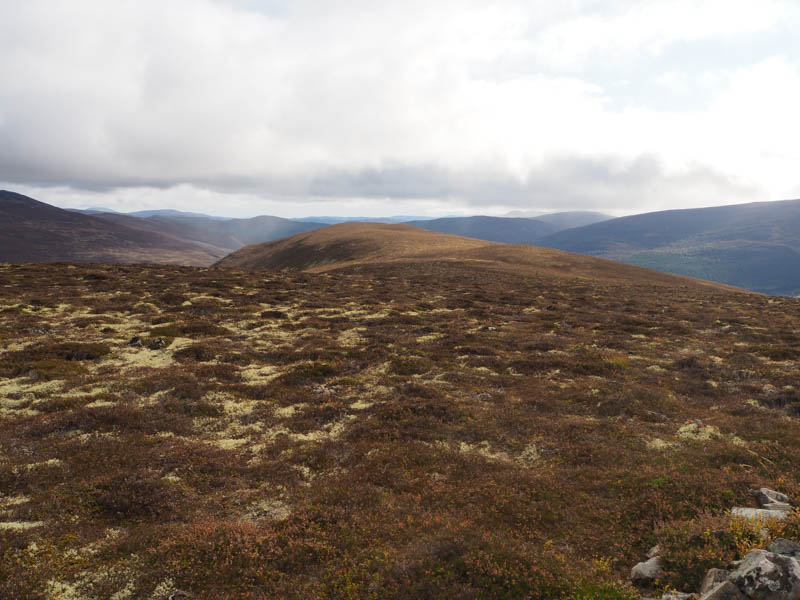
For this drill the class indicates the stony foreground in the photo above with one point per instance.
(390, 431)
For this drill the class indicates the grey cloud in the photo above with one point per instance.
(559, 183)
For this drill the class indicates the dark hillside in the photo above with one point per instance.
(756, 246)
(32, 231)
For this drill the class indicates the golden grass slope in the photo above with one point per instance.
(352, 244)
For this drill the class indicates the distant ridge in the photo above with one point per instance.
(493, 229)
(226, 235)
(754, 246)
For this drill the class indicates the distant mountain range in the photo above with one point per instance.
(32, 231)
(754, 246)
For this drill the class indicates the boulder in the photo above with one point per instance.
(712, 579)
(785, 548)
(677, 596)
(724, 591)
(759, 514)
(646, 573)
(764, 575)
(767, 496)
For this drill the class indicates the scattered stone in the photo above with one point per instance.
(657, 416)
(759, 514)
(724, 591)
(785, 548)
(135, 341)
(677, 596)
(157, 344)
(765, 496)
(646, 573)
(767, 576)
(712, 579)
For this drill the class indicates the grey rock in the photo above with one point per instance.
(759, 514)
(135, 341)
(157, 344)
(784, 506)
(677, 596)
(654, 551)
(712, 579)
(785, 548)
(645, 573)
(767, 496)
(724, 591)
(767, 576)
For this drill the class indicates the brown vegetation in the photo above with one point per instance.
(411, 429)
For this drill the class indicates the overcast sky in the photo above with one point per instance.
(358, 107)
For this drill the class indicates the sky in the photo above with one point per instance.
(431, 107)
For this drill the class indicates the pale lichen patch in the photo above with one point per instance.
(351, 337)
(659, 444)
(698, 431)
(285, 412)
(19, 525)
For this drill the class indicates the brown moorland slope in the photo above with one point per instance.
(352, 244)
(417, 429)
(32, 231)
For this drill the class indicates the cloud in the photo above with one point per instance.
(452, 103)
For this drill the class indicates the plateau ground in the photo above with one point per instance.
(372, 421)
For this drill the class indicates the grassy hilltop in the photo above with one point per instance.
(481, 424)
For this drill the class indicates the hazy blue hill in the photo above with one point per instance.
(493, 229)
(575, 218)
(755, 246)
(227, 234)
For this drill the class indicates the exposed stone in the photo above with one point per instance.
(712, 579)
(759, 514)
(785, 548)
(677, 596)
(724, 591)
(766, 496)
(645, 573)
(767, 576)
(654, 551)
(157, 344)
(135, 341)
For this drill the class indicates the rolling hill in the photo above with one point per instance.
(754, 246)
(33, 231)
(355, 244)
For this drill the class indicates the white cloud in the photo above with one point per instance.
(253, 104)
